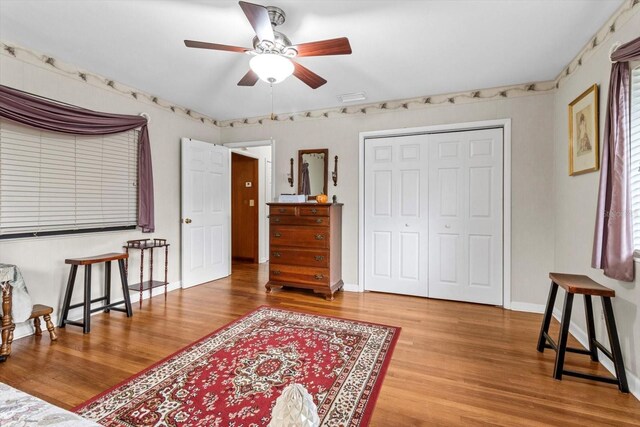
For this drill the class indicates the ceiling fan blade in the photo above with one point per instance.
(312, 80)
(249, 79)
(259, 19)
(338, 46)
(215, 46)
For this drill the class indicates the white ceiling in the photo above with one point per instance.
(401, 49)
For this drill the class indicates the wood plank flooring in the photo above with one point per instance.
(454, 364)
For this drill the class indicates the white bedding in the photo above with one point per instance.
(19, 409)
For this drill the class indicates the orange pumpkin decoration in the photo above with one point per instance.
(321, 198)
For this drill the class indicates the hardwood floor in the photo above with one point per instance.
(454, 364)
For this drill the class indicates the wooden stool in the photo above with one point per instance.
(579, 284)
(43, 311)
(87, 263)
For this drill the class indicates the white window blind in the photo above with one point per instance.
(635, 154)
(52, 182)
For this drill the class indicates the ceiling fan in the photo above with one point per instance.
(273, 52)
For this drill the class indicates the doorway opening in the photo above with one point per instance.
(251, 189)
(244, 208)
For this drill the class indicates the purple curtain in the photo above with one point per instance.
(32, 110)
(613, 239)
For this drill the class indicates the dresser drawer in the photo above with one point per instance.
(282, 210)
(296, 274)
(304, 257)
(291, 235)
(314, 210)
(299, 220)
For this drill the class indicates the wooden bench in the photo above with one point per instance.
(582, 285)
(86, 304)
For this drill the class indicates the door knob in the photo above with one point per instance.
(187, 220)
(447, 226)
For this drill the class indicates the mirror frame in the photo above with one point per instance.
(324, 151)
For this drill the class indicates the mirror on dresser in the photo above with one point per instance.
(312, 172)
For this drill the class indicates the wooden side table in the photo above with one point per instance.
(142, 245)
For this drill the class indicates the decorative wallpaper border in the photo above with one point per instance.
(404, 104)
(100, 81)
(624, 13)
(616, 21)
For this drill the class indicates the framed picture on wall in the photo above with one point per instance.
(583, 133)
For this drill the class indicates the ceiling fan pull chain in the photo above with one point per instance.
(271, 88)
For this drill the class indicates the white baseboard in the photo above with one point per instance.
(581, 336)
(350, 287)
(527, 307)
(26, 329)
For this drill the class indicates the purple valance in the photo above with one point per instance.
(41, 113)
(613, 239)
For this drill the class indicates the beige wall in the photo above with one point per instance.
(576, 199)
(42, 259)
(532, 165)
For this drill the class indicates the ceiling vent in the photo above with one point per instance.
(352, 97)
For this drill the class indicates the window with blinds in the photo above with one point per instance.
(53, 183)
(635, 153)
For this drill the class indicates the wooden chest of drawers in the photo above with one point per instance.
(305, 246)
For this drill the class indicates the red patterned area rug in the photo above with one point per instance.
(233, 376)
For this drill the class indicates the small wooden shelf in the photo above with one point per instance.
(142, 245)
(146, 285)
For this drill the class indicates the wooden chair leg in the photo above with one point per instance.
(50, 327)
(36, 325)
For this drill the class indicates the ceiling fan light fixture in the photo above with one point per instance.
(271, 67)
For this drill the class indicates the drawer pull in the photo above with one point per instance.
(319, 236)
(319, 257)
(318, 221)
(276, 234)
(314, 211)
(318, 277)
(282, 210)
(276, 219)
(277, 254)
(276, 272)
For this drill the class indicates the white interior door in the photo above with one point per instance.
(206, 212)
(465, 219)
(396, 215)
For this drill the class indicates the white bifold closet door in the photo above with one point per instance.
(433, 215)
(465, 216)
(396, 215)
